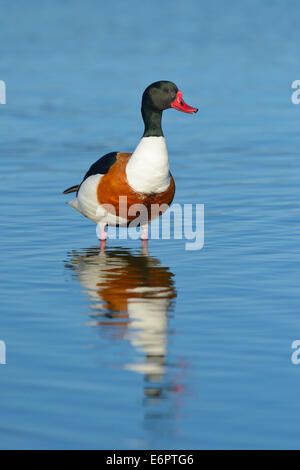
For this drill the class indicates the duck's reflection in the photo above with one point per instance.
(133, 294)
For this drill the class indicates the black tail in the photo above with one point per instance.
(72, 189)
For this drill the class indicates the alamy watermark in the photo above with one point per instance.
(2, 352)
(2, 92)
(179, 221)
(295, 98)
(295, 357)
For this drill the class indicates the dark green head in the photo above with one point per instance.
(156, 98)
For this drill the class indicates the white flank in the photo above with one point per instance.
(148, 168)
(87, 203)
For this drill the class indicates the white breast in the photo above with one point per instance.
(148, 168)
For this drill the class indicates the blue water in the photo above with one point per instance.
(171, 348)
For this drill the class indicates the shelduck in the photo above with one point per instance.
(118, 184)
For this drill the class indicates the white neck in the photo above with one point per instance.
(148, 168)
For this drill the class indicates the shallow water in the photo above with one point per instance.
(167, 348)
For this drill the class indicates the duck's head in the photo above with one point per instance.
(156, 98)
(164, 95)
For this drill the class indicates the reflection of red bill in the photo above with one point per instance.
(180, 105)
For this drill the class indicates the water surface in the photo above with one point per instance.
(164, 348)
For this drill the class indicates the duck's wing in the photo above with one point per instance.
(100, 167)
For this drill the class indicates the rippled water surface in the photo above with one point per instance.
(158, 348)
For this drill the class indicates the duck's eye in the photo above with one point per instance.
(166, 90)
(181, 102)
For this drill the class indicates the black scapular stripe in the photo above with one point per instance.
(100, 167)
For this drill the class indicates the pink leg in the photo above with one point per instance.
(100, 231)
(144, 232)
(144, 236)
(103, 235)
(102, 245)
(145, 246)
